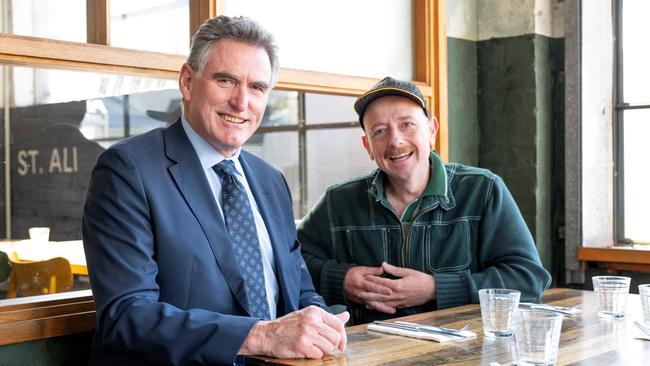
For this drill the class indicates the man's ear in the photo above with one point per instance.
(366, 145)
(184, 81)
(433, 126)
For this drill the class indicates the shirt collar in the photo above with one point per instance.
(437, 185)
(208, 155)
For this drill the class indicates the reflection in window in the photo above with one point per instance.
(315, 143)
(334, 156)
(280, 149)
(62, 20)
(56, 126)
(60, 121)
(151, 25)
(281, 110)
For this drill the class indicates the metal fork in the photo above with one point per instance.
(643, 328)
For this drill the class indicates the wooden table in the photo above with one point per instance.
(586, 340)
(26, 250)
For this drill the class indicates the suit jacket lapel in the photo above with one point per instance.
(192, 184)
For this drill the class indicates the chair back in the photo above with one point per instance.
(39, 278)
(5, 266)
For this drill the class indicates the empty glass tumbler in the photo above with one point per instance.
(537, 336)
(497, 309)
(611, 295)
(644, 294)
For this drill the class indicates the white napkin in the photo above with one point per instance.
(438, 337)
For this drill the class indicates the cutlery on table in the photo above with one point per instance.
(555, 308)
(645, 330)
(424, 328)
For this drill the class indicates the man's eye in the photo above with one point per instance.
(225, 82)
(258, 88)
(379, 133)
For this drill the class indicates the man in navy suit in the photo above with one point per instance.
(167, 282)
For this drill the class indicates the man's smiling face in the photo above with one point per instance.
(225, 102)
(399, 137)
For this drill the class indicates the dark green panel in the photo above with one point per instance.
(557, 157)
(58, 351)
(521, 121)
(462, 87)
(507, 116)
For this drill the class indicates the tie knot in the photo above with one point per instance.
(225, 168)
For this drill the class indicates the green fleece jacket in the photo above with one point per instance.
(466, 230)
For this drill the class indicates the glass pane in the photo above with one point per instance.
(637, 174)
(282, 109)
(59, 122)
(363, 37)
(151, 25)
(280, 149)
(333, 156)
(636, 54)
(62, 20)
(324, 108)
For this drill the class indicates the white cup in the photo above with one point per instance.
(39, 234)
(537, 336)
(498, 306)
(611, 295)
(644, 294)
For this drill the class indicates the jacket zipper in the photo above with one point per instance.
(406, 236)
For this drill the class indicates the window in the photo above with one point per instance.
(363, 37)
(314, 140)
(61, 20)
(632, 121)
(99, 94)
(151, 25)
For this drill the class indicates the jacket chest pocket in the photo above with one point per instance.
(446, 247)
(368, 247)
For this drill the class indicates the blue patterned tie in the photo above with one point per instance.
(243, 235)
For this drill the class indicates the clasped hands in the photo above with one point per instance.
(408, 287)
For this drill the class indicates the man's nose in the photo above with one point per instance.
(395, 137)
(239, 97)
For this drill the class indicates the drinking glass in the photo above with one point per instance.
(497, 309)
(39, 234)
(611, 295)
(537, 336)
(644, 294)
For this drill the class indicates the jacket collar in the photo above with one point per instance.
(436, 192)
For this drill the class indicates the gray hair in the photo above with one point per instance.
(241, 29)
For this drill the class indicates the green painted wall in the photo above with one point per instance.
(506, 114)
(462, 93)
(70, 350)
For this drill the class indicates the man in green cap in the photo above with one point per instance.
(416, 234)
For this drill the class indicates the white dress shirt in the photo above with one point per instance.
(209, 157)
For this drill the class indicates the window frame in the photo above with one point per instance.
(40, 317)
(619, 127)
(611, 252)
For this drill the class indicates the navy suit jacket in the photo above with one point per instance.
(166, 284)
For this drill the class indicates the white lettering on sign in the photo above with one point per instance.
(25, 166)
(62, 160)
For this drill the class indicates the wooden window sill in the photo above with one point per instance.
(38, 317)
(627, 258)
